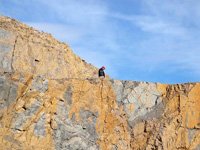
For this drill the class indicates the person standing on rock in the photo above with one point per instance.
(101, 73)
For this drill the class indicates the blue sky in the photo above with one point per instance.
(140, 40)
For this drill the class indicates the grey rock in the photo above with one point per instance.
(5, 63)
(191, 133)
(73, 118)
(89, 125)
(32, 61)
(84, 114)
(2, 91)
(68, 95)
(13, 92)
(62, 110)
(8, 92)
(141, 94)
(74, 136)
(145, 97)
(4, 34)
(118, 88)
(21, 118)
(1, 62)
(5, 48)
(122, 88)
(61, 135)
(155, 112)
(133, 122)
(39, 127)
(40, 83)
(76, 143)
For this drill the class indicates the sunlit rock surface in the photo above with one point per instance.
(52, 99)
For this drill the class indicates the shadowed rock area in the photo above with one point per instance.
(51, 99)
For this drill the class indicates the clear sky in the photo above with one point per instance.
(140, 40)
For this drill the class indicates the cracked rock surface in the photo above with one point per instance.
(160, 116)
(51, 99)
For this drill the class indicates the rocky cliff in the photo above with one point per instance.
(52, 99)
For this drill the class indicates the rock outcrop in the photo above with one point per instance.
(52, 99)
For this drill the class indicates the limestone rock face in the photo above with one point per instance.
(24, 49)
(161, 116)
(52, 99)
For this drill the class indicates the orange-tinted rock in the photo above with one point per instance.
(52, 99)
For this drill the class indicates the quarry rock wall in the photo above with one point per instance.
(50, 98)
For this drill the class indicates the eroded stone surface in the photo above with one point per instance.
(4, 34)
(159, 113)
(8, 91)
(39, 53)
(39, 127)
(5, 48)
(22, 117)
(51, 99)
(40, 83)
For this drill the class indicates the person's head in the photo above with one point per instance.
(103, 68)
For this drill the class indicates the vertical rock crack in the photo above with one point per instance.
(13, 54)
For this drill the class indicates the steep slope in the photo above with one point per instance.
(52, 99)
(24, 49)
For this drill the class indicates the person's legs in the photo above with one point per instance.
(101, 78)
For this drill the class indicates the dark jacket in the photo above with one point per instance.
(101, 72)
